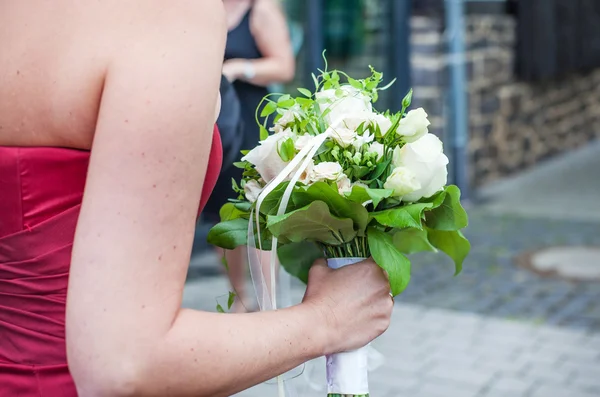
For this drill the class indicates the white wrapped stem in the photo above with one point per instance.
(347, 373)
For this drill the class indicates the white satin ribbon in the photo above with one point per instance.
(267, 295)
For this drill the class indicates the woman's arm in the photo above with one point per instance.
(270, 30)
(126, 332)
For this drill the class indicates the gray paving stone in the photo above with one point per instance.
(511, 386)
(588, 383)
(475, 377)
(433, 387)
(553, 391)
(547, 374)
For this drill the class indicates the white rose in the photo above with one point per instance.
(414, 125)
(265, 156)
(376, 148)
(308, 174)
(354, 120)
(302, 141)
(252, 189)
(402, 181)
(383, 122)
(343, 184)
(288, 117)
(342, 135)
(351, 101)
(426, 159)
(363, 139)
(326, 170)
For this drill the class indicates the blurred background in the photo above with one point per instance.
(512, 87)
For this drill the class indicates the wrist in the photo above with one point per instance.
(318, 327)
(248, 71)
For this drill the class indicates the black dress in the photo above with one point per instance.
(240, 45)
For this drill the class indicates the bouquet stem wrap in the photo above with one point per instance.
(347, 372)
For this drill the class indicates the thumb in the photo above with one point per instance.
(319, 268)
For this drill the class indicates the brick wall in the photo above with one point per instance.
(513, 125)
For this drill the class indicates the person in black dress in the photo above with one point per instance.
(258, 53)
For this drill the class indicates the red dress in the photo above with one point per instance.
(40, 196)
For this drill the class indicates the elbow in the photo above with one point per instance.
(100, 375)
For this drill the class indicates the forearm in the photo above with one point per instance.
(269, 71)
(206, 354)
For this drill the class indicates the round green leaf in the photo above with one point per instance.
(387, 256)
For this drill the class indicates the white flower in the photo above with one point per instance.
(376, 148)
(363, 139)
(342, 135)
(265, 156)
(351, 101)
(288, 117)
(302, 141)
(307, 175)
(343, 184)
(402, 181)
(414, 125)
(326, 170)
(367, 119)
(426, 159)
(252, 189)
(383, 122)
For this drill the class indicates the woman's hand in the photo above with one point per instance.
(233, 69)
(354, 303)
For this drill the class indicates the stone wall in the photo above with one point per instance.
(513, 125)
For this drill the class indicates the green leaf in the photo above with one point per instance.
(231, 299)
(312, 223)
(387, 256)
(338, 205)
(243, 206)
(297, 258)
(241, 164)
(449, 215)
(360, 170)
(305, 92)
(380, 169)
(402, 217)
(229, 212)
(361, 195)
(270, 204)
(315, 80)
(453, 243)
(286, 104)
(269, 109)
(304, 101)
(287, 151)
(229, 234)
(220, 308)
(264, 134)
(409, 241)
(355, 83)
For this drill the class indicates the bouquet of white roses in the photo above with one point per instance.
(339, 180)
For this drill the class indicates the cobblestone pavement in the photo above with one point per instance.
(492, 284)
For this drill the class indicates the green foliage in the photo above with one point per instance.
(447, 213)
(337, 204)
(402, 217)
(390, 259)
(410, 240)
(312, 223)
(297, 258)
(453, 243)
